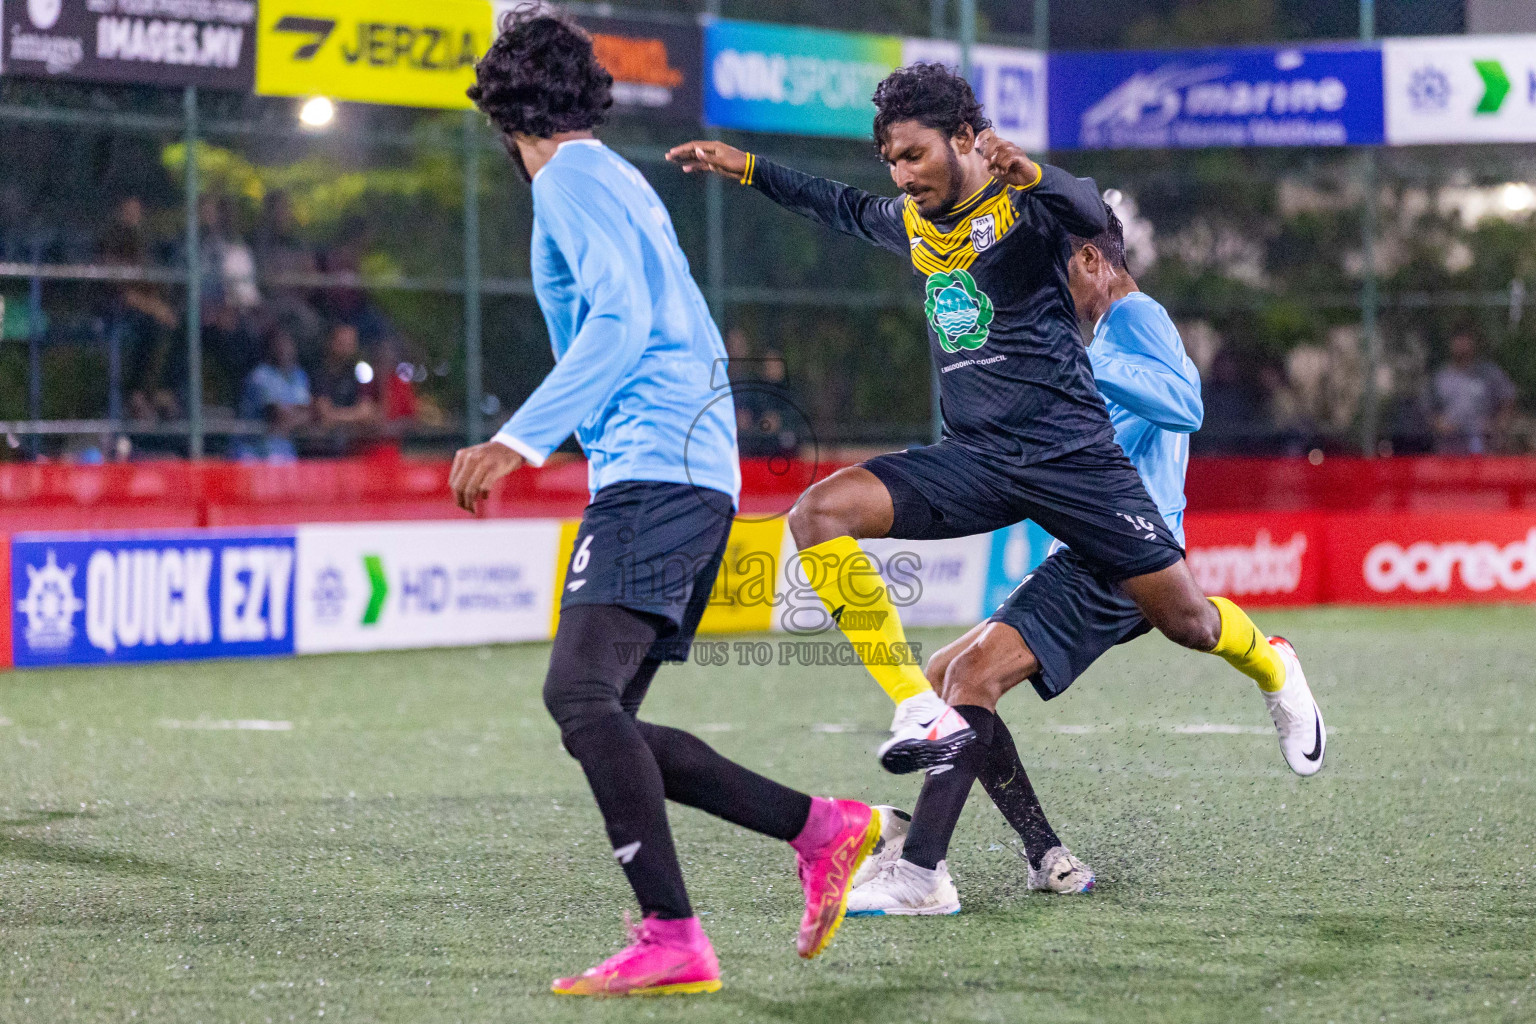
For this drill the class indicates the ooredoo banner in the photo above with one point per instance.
(207, 43)
(378, 586)
(1258, 559)
(1255, 96)
(1431, 558)
(82, 599)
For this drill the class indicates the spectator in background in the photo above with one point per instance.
(1472, 400)
(276, 392)
(139, 319)
(230, 295)
(346, 392)
(281, 251)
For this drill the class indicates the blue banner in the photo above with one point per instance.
(1258, 96)
(87, 599)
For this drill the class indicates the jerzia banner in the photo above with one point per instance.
(207, 43)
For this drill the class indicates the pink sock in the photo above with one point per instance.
(821, 826)
(684, 932)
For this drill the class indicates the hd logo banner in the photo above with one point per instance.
(82, 599)
(377, 586)
(1461, 89)
(396, 52)
(207, 43)
(1192, 99)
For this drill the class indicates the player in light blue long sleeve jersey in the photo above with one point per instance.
(1064, 616)
(637, 364)
(634, 344)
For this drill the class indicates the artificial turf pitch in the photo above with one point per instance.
(417, 847)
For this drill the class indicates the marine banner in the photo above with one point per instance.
(83, 599)
(373, 51)
(1255, 96)
(206, 43)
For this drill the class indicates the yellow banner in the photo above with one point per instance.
(399, 52)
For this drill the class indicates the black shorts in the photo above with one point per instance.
(1068, 617)
(1092, 500)
(654, 548)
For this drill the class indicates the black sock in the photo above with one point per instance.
(1003, 776)
(944, 795)
(627, 783)
(696, 775)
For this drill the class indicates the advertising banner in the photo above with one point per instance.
(1256, 96)
(373, 51)
(5, 619)
(82, 599)
(206, 43)
(776, 78)
(1431, 558)
(381, 586)
(1258, 558)
(1009, 82)
(1461, 89)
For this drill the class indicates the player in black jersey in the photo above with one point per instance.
(1026, 433)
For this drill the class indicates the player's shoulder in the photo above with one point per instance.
(1140, 313)
(580, 166)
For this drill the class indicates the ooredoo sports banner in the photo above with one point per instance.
(778, 78)
(1461, 89)
(1254, 96)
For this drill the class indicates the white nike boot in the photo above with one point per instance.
(926, 733)
(1303, 738)
(895, 823)
(1061, 872)
(902, 889)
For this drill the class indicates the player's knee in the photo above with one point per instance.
(1193, 630)
(575, 702)
(975, 677)
(818, 517)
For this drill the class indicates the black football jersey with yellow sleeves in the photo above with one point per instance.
(1015, 381)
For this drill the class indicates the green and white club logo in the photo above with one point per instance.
(961, 313)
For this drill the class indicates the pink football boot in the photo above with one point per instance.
(837, 837)
(664, 958)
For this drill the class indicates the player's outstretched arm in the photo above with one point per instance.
(1147, 371)
(1074, 201)
(875, 219)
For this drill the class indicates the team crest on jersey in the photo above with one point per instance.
(960, 312)
(983, 232)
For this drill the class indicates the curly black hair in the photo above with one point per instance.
(930, 94)
(1110, 241)
(540, 77)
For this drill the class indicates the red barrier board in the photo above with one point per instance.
(1259, 558)
(1431, 558)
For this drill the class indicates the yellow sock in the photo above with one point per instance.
(855, 597)
(1246, 649)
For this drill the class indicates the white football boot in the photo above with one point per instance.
(926, 733)
(902, 889)
(1303, 738)
(894, 825)
(1060, 872)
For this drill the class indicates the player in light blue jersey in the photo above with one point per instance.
(1064, 616)
(636, 361)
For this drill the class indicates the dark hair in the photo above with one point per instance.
(540, 77)
(1110, 241)
(930, 94)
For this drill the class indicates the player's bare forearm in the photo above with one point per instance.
(476, 468)
(708, 155)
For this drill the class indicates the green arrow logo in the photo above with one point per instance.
(379, 589)
(1495, 85)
